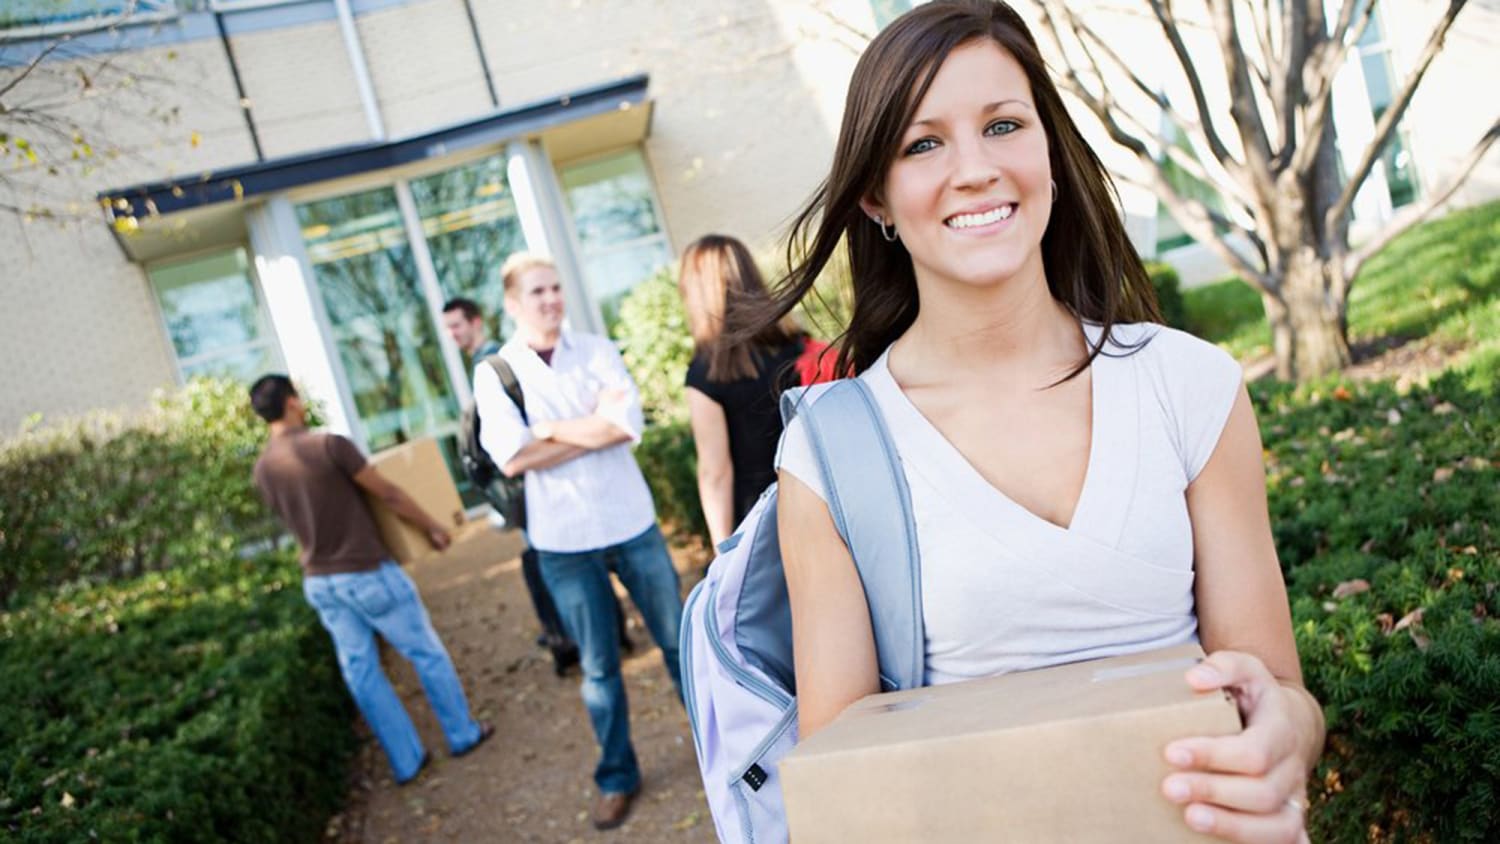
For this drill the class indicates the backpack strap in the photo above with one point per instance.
(871, 506)
(509, 383)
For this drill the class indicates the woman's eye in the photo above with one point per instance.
(921, 146)
(1001, 127)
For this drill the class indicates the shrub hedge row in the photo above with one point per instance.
(1383, 508)
(106, 497)
(202, 703)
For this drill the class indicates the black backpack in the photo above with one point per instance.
(506, 495)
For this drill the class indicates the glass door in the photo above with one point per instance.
(380, 322)
(469, 220)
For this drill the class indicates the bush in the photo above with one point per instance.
(656, 344)
(1381, 506)
(105, 497)
(198, 704)
(1168, 293)
(670, 464)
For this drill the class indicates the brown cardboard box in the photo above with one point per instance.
(417, 467)
(1071, 753)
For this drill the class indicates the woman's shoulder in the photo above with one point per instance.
(1172, 353)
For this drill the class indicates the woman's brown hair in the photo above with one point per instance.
(720, 284)
(1091, 267)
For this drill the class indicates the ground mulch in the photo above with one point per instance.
(533, 780)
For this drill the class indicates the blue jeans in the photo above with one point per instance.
(579, 583)
(354, 607)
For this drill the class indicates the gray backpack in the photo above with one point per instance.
(736, 646)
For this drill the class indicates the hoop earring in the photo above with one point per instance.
(1054, 190)
(890, 236)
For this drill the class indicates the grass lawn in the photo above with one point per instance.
(1439, 280)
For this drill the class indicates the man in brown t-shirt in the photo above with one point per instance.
(314, 481)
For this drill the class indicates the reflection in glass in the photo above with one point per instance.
(386, 339)
(214, 316)
(469, 219)
(615, 216)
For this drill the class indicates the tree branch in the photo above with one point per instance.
(1321, 67)
(1392, 116)
(1200, 101)
(1243, 104)
(1228, 185)
(1414, 214)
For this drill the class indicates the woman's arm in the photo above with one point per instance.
(833, 644)
(715, 468)
(1247, 787)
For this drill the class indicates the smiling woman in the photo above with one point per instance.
(1084, 482)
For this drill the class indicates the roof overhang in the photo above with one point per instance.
(153, 219)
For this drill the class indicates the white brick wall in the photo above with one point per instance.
(79, 328)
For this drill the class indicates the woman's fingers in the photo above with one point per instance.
(1253, 752)
(1287, 825)
(1256, 794)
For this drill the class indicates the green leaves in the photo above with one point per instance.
(106, 497)
(202, 702)
(1382, 503)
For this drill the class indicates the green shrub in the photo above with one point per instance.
(198, 704)
(1228, 312)
(668, 460)
(1168, 293)
(1393, 496)
(657, 347)
(106, 497)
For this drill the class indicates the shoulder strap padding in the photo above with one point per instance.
(509, 383)
(866, 487)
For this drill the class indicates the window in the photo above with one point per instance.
(18, 13)
(1395, 159)
(469, 219)
(385, 336)
(619, 226)
(888, 10)
(1169, 234)
(214, 316)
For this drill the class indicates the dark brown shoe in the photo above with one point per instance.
(612, 808)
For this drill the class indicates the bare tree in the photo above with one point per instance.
(66, 112)
(1283, 212)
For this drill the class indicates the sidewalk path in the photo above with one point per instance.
(532, 781)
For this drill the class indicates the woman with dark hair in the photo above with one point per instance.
(1084, 482)
(733, 387)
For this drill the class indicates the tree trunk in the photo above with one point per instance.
(1308, 331)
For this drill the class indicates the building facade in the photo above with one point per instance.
(300, 184)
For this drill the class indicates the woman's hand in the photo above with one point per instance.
(1248, 787)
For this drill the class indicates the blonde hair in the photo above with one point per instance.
(718, 281)
(518, 263)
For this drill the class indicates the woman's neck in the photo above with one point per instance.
(1015, 326)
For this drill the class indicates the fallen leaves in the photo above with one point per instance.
(1351, 587)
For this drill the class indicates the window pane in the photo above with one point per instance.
(386, 339)
(242, 365)
(620, 270)
(470, 221)
(611, 200)
(208, 303)
(614, 213)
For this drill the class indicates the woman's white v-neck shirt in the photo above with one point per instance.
(1005, 590)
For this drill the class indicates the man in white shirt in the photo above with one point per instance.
(588, 509)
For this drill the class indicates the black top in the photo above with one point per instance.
(753, 417)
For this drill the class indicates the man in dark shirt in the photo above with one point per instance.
(313, 480)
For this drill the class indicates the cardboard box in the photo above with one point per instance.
(1071, 753)
(418, 467)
